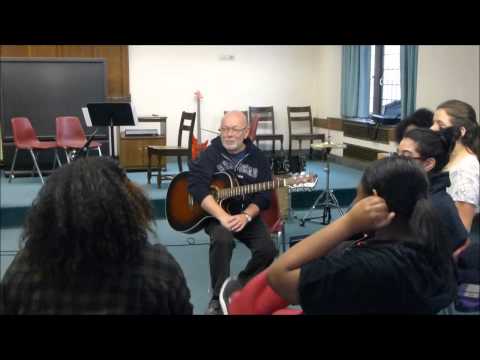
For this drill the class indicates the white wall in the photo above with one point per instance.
(163, 80)
(444, 72)
(327, 81)
(448, 72)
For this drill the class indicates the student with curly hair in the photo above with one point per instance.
(86, 249)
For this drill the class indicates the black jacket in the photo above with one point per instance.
(156, 285)
(444, 205)
(252, 168)
(377, 277)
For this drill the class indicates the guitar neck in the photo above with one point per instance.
(251, 188)
(198, 122)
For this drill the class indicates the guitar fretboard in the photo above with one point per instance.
(251, 188)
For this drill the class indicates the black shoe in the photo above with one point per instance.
(230, 286)
(214, 308)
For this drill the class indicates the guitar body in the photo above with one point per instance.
(183, 213)
(197, 147)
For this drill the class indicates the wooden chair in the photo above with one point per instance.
(298, 116)
(178, 151)
(266, 114)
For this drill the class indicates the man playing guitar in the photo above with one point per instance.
(235, 153)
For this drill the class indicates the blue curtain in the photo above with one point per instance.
(355, 93)
(408, 78)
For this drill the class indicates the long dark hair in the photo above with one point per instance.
(404, 186)
(435, 144)
(87, 217)
(463, 115)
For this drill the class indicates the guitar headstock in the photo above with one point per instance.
(302, 180)
(198, 95)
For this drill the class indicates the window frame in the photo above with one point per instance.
(378, 78)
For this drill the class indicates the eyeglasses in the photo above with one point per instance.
(225, 130)
(407, 155)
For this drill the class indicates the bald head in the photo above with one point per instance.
(233, 131)
(235, 117)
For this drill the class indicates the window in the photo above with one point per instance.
(385, 77)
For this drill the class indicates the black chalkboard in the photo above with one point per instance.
(44, 88)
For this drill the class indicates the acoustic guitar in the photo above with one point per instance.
(187, 216)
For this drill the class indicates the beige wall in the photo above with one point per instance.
(163, 80)
(444, 72)
(448, 72)
(327, 81)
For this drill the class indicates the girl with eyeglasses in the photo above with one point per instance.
(432, 150)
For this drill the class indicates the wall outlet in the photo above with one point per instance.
(227, 57)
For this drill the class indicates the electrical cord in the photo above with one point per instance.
(172, 245)
(190, 242)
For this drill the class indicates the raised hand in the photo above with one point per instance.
(370, 213)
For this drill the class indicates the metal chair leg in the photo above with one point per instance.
(12, 169)
(67, 156)
(33, 165)
(281, 236)
(159, 175)
(180, 167)
(56, 160)
(149, 168)
(99, 151)
(36, 165)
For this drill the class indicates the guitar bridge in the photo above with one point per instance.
(190, 200)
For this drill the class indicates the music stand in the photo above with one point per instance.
(329, 199)
(76, 154)
(112, 114)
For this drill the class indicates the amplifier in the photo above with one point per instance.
(141, 132)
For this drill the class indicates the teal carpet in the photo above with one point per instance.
(16, 197)
(191, 251)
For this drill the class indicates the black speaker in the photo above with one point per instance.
(296, 164)
(278, 165)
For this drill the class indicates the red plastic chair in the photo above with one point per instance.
(70, 135)
(258, 298)
(272, 217)
(25, 138)
(461, 249)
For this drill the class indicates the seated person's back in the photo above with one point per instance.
(405, 266)
(86, 250)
